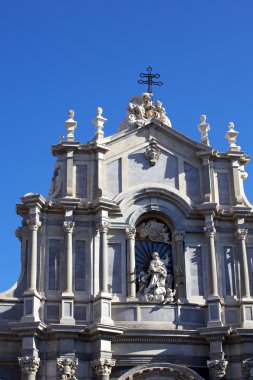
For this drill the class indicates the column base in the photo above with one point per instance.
(102, 309)
(247, 314)
(67, 311)
(214, 313)
(31, 307)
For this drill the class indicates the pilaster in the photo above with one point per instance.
(32, 299)
(131, 277)
(178, 240)
(241, 235)
(67, 314)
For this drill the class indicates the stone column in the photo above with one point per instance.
(103, 368)
(210, 233)
(103, 228)
(131, 277)
(33, 224)
(178, 239)
(29, 367)
(67, 368)
(69, 229)
(241, 235)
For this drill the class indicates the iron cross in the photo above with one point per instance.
(149, 80)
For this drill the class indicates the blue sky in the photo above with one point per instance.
(60, 55)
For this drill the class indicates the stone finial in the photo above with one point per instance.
(204, 128)
(70, 125)
(99, 123)
(231, 136)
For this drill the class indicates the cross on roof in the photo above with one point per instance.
(149, 80)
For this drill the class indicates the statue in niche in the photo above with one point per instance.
(141, 109)
(56, 183)
(156, 285)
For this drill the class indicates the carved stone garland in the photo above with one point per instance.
(68, 368)
(29, 364)
(218, 367)
(103, 366)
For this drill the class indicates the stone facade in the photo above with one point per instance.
(138, 265)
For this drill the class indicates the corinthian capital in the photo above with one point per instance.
(241, 233)
(29, 364)
(103, 366)
(131, 232)
(218, 367)
(33, 223)
(247, 366)
(67, 367)
(103, 227)
(178, 236)
(210, 231)
(69, 226)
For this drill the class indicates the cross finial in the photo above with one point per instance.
(149, 81)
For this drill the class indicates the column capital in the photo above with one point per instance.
(178, 236)
(241, 233)
(131, 232)
(33, 223)
(103, 366)
(67, 367)
(210, 231)
(247, 366)
(69, 226)
(218, 367)
(103, 226)
(29, 364)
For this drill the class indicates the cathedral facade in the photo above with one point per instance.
(139, 263)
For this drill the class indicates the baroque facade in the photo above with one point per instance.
(138, 265)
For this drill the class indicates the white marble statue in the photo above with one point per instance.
(156, 285)
(141, 110)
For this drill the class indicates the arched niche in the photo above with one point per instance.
(153, 258)
(161, 371)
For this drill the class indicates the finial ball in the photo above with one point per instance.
(99, 111)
